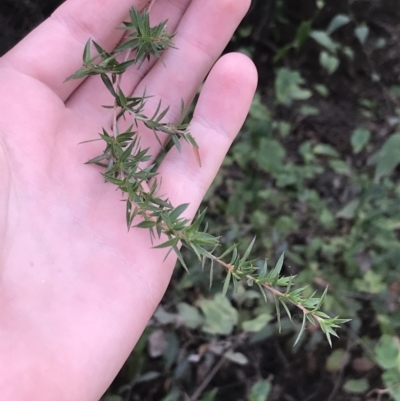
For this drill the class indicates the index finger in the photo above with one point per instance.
(53, 51)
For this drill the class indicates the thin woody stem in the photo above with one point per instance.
(230, 268)
(268, 287)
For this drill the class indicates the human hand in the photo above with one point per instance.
(77, 290)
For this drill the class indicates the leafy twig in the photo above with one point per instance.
(123, 159)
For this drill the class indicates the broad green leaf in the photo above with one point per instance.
(164, 317)
(349, 211)
(260, 391)
(391, 379)
(190, 315)
(340, 167)
(308, 110)
(357, 386)
(362, 33)
(360, 139)
(258, 323)
(328, 62)
(337, 360)
(220, 316)
(270, 155)
(327, 150)
(337, 22)
(288, 87)
(258, 110)
(325, 40)
(322, 90)
(388, 157)
(236, 357)
(387, 352)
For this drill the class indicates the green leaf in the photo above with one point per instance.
(210, 396)
(148, 376)
(349, 211)
(391, 379)
(228, 251)
(278, 267)
(388, 157)
(337, 360)
(220, 316)
(303, 33)
(387, 352)
(302, 329)
(258, 323)
(340, 167)
(146, 224)
(81, 73)
(248, 250)
(362, 33)
(337, 22)
(288, 87)
(360, 139)
(260, 391)
(356, 386)
(178, 211)
(112, 398)
(326, 150)
(325, 40)
(190, 315)
(86, 52)
(226, 283)
(270, 155)
(263, 271)
(264, 295)
(167, 244)
(283, 303)
(328, 62)
(308, 110)
(236, 357)
(282, 52)
(322, 90)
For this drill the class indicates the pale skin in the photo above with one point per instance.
(77, 290)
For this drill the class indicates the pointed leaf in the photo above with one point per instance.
(226, 283)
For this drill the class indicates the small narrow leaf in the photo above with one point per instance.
(166, 244)
(278, 314)
(277, 269)
(248, 250)
(226, 283)
(302, 328)
(86, 52)
(261, 288)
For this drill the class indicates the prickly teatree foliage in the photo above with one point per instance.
(123, 160)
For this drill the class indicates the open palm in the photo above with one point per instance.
(76, 290)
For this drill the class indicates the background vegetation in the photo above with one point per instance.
(315, 174)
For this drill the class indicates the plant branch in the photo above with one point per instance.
(123, 159)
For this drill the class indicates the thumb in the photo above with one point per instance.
(4, 198)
